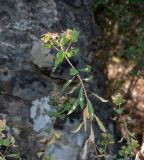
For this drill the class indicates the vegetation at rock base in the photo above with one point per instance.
(7, 148)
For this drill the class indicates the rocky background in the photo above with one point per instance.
(26, 80)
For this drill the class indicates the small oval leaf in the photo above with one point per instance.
(67, 84)
(72, 35)
(87, 68)
(72, 52)
(14, 156)
(73, 107)
(81, 98)
(100, 98)
(100, 123)
(73, 72)
(58, 59)
(90, 110)
(78, 128)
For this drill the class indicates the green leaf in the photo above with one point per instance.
(47, 45)
(86, 69)
(58, 59)
(90, 110)
(73, 72)
(107, 138)
(6, 142)
(63, 40)
(67, 84)
(14, 156)
(118, 100)
(72, 35)
(52, 114)
(72, 52)
(119, 110)
(81, 98)
(73, 107)
(88, 79)
(100, 123)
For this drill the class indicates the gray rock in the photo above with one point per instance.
(75, 3)
(31, 85)
(41, 56)
(25, 67)
(5, 80)
(69, 144)
(39, 114)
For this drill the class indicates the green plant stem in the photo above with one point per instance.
(68, 46)
(105, 147)
(128, 139)
(2, 156)
(81, 81)
(96, 152)
(6, 150)
(69, 62)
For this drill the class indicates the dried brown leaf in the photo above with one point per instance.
(92, 137)
(100, 98)
(78, 128)
(85, 149)
(86, 112)
(84, 120)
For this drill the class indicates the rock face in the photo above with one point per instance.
(25, 66)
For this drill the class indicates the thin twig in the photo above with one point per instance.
(2, 156)
(96, 152)
(68, 46)
(81, 81)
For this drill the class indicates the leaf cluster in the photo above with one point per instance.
(6, 143)
(127, 151)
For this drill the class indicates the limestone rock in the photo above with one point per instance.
(22, 22)
(5, 80)
(41, 56)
